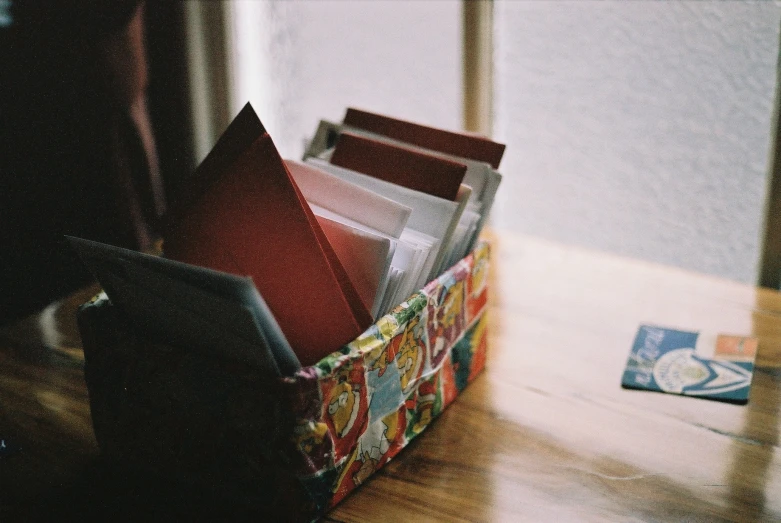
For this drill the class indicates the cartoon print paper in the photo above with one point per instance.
(411, 364)
(477, 285)
(345, 405)
(446, 319)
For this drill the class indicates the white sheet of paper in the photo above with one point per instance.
(396, 277)
(366, 257)
(422, 262)
(409, 255)
(350, 200)
(430, 215)
(465, 232)
(456, 240)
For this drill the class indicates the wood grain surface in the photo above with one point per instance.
(545, 434)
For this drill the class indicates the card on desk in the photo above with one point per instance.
(718, 367)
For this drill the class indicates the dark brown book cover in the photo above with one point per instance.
(465, 145)
(412, 169)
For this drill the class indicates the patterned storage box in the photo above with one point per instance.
(296, 445)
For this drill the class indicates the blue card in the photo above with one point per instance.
(718, 367)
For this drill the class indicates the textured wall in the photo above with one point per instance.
(298, 62)
(641, 128)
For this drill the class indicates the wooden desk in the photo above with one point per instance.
(545, 434)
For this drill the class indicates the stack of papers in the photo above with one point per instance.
(480, 155)
(277, 263)
(366, 236)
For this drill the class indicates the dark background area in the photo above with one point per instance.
(168, 93)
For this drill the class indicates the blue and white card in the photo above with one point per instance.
(718, 367)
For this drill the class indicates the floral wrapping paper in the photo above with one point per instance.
(307, 440)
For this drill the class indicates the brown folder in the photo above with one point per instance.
(465, 145)
(416, 170)
(243, 214)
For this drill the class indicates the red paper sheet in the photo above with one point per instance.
(464, 145)
(415, 170)
(244, 214)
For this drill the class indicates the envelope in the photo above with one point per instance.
(465, 232)
(458, 144)
(366, 257)
(244, 215)
(414, 252)
(416, 170)
(330, 192)
(431, 215)
(334, 198)
(483, 179)
(395, 277)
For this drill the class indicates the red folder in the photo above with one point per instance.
(244, 215)
(464, 145)
(419, 171)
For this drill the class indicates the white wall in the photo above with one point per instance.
(300, 61)
(641, 128)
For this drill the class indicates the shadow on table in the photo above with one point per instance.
(753, 453)
(102, 492)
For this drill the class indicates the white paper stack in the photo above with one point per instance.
(438, 232)
(483, 179)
